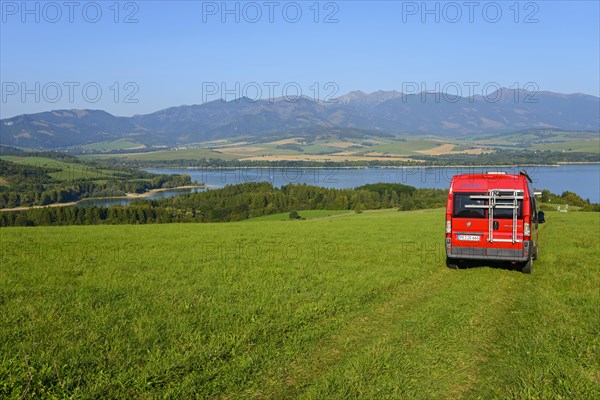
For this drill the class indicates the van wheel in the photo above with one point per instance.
(452, 263)
(526, 268)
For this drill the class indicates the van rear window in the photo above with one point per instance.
(461, 200)
(507, 213)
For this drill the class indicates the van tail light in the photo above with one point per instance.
(526, 229)
(448, 226)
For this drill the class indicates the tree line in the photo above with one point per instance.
(550, 200)
(255, 199)
(234, 203)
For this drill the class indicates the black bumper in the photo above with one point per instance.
(489, 253)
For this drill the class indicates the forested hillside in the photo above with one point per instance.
(39, 179)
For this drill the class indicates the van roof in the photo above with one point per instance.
(485, 182)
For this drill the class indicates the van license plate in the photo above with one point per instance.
(472, 238)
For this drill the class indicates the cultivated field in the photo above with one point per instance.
(586, 142)
(333, 148)
(348, 306)
(165, 155)
(322, 149)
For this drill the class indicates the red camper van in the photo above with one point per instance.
(491, 216)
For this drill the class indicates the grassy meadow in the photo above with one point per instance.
(306, 214)
(351, 306)
(163, 155)
(118, 144)
(67, 171)
(592, 146)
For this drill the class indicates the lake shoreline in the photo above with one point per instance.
(407, 173)
(127, 196)
(580, 178)
(148, 193)
(376, 167)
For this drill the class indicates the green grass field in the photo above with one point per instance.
(411, 147)
(119, 144)
(591, 146)
(165, 155)
(68, 171)
(357, 306)
(551, 140)
(307, 214)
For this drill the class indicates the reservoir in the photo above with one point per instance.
(123, 201)
(582, 179)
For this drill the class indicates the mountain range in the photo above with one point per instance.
(384, 112)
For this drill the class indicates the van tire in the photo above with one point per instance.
(452, 263)
(526, 268)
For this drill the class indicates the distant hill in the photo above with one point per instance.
(63, 128)
(388, 112)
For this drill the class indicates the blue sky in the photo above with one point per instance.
(174, 53)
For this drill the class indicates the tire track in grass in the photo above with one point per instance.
(482, 306)
(381, 352)
(288, 381)
(555, 322)
(433, 350)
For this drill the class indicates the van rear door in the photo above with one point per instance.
(507, 221)
(475, 223)
(469, 220)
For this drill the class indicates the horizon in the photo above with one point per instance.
(292, 100)
(131, 57)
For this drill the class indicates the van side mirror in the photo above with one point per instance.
(540, 217)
